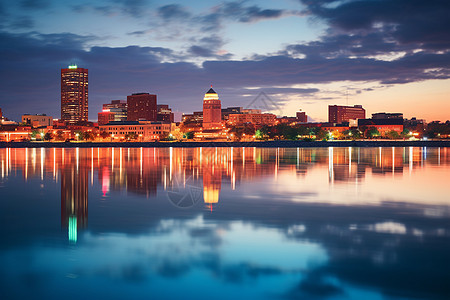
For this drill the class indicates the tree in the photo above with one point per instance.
(393, 135)
(48, 136)
(353, 134)
(259, 135)
(59, 135)
(239, 131)
(79, 136)
(88, 136)
(131, 136)
(189, 135)
(372, 132)
(267, 132)
(104, 134)
(406, 133)
(319, 133)
(437, 129)
(35, 134)
(289, 132)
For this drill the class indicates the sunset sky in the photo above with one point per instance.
(387, 55)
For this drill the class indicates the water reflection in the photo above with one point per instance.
(336, 223)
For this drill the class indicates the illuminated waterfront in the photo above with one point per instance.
(335, 223)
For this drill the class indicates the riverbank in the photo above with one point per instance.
(260, 144)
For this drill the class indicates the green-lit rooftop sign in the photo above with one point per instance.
(73, 66)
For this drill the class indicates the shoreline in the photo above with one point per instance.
(258, 144)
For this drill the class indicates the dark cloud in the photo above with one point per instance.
(421, 23)
(134, 8)
(173, 11)
(290, 90)
(225, 12)
(315, 287)
(173, 269)
(22, 23)
(116, 72)
(35, 4)
(241, 13)
(201, 51)
(131, 7)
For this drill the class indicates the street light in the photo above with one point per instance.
(77, 135)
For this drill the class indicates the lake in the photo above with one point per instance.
(224, 223)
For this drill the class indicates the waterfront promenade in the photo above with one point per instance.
(261, 144)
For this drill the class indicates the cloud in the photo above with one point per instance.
(315, 287)
(118, 71)
(173, 11)
(21, 23)
(201, 51)
(35, 4)
(131, 7)
(237, 11)
(408, 22)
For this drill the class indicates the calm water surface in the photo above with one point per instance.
(224, 223)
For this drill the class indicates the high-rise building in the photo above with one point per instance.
(74, 95)
(141, 106)
(212, 115)
(339, 114)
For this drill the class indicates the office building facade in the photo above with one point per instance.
(339, 114)
(37, 120)
(74, 95)
(142, 106)
(212, 113)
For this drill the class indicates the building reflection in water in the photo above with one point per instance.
(74, 193)
(144, 171)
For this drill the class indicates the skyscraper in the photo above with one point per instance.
(74, 95)
(141, 106)
(212, 114)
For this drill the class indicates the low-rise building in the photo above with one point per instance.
(143, 131)
(382, 125)
(384, 115)
(37, 120)
(164, 114)
(256, 119)
(16, 136)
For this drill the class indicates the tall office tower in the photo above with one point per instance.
(339, 114)
(212, 114)
(74, 95)
(141, 106)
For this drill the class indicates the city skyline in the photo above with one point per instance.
(385, 56)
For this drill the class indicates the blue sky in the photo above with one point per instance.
(387, 55)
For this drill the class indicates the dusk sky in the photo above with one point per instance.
(388, 55)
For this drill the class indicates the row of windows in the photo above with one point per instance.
(136, 132)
